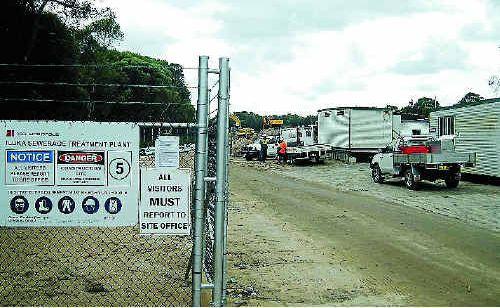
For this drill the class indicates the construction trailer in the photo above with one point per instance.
(408, 127)
(301, 135)
(476, 128)
(356, 132)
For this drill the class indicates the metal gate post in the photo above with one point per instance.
(221, 180)
(226, 199)
(200, 174)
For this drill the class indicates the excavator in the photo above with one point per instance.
(241, 131)
(269, 122)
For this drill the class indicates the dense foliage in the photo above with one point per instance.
(78, 37)
(255, 121)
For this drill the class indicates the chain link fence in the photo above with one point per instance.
(97, 266)
(209, 212)
(116, 266)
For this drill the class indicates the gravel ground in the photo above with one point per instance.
(295, 241)
(478, 204)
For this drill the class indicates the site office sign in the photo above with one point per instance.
(165, 201)
(68, 173)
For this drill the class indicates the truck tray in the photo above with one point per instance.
(436, 158)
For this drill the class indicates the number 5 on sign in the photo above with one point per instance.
(119, 168)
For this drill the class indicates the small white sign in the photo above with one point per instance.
(165, 201)
(167, 151)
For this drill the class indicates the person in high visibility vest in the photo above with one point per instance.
(263, 149)
(282, 151)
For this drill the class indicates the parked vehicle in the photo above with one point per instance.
(418, 158)
(252, 151)
(355, 129)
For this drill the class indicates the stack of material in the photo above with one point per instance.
(186, 160)
(238, 144)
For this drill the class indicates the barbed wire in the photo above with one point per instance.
(14, 99)
(85, 65)
(42, 83)
(213, 86)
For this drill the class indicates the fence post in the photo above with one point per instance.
(221, 180)
(200, 173)
(226, 199)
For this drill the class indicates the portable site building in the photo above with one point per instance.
(301, 135)
(402, 127)
(477, 129)
(355, 129)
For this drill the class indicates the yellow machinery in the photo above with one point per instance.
(268, 122)
(241, 131)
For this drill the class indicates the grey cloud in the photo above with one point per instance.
(437, 56)
(267, 28)
(270, 19)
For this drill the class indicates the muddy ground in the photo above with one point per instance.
(326, 235)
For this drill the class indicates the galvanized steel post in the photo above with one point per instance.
(200, 174)
(221, 180)
(226, 199)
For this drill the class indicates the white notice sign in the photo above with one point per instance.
(165, 201)
(167, 151)
(68, 173)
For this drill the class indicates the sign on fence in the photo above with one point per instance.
(68, 173)
(167, 151)
(165, 201)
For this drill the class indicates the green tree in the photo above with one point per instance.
(422, 107)
(470, 98)
(75, 32)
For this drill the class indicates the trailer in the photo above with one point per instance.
(409, 127)
(355, 132)
(300, 135)
(476, 128)
(316, 153)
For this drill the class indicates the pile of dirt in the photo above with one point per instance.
(238, 144)
(186, 160)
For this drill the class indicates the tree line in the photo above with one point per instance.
(419, 109)
(67, 69)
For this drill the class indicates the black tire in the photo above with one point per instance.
(452, 181)
(248, 157)
(377, 175)
(410, 180)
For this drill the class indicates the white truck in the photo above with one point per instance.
(418, 158)
(252, 151)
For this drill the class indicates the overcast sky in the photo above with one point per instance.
(302, 55)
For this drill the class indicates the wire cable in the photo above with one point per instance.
(41, 83)
(8, 99)
(85, 65)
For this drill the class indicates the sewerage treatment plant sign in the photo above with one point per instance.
(68, 173)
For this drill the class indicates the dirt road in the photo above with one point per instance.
(292, 241)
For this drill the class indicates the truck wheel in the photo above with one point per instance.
(452, 181)
(248, 157)
(377, 175)
(410, 180)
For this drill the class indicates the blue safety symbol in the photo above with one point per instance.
(19, 204)
(66, 205)
(43, 205)
(113, 205)
(90, 205)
